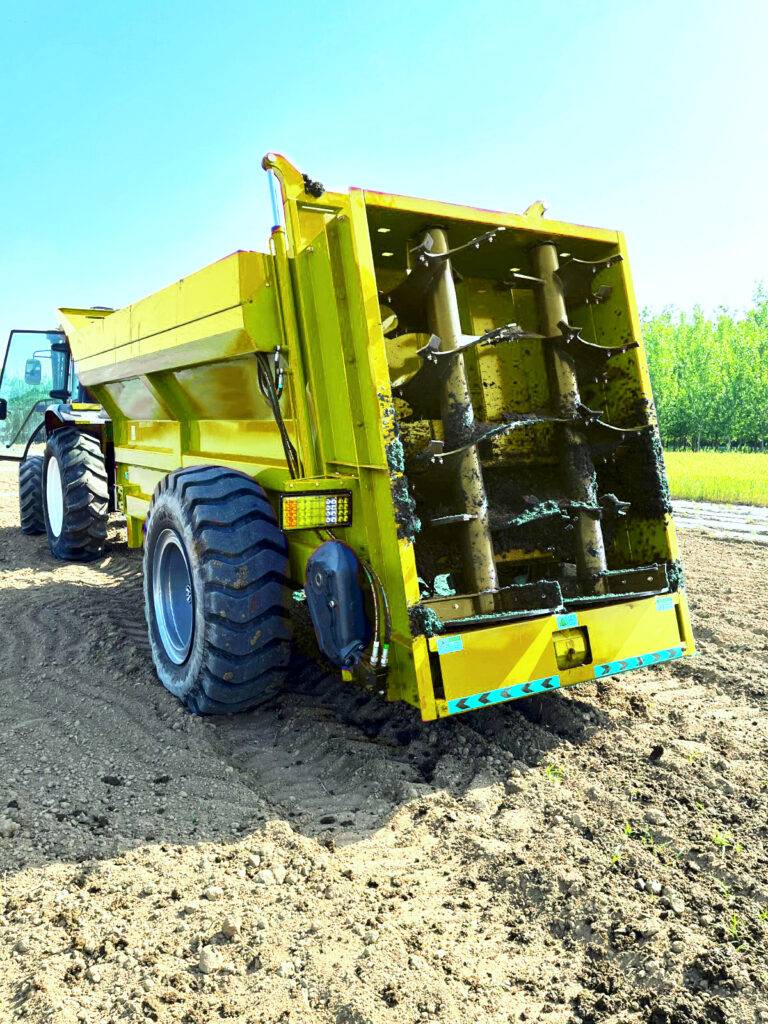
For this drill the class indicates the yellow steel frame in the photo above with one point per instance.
(177, 376)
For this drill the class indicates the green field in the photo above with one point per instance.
(740, 477)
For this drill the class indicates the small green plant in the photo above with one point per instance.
(648, 841)
(554, 773)
(733, 928)
(763, 915)
(726, 841)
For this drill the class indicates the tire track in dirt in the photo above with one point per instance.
(726, 522)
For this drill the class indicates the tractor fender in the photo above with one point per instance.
(78, 414)
(90, 419)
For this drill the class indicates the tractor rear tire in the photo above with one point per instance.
(216, 591)
(31, 495)
(75, 496)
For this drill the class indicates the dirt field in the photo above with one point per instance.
(597, 855)
(726, 522)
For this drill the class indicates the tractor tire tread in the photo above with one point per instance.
(31, 495)
(242, 559)
(86, 496)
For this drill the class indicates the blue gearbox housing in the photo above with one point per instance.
(336, 603)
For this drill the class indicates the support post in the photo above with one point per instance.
(575, 455)
(458, 421)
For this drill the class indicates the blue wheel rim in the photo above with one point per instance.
(173, 596)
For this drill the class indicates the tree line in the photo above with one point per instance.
(710, 375)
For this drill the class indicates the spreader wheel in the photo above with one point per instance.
(216, 590)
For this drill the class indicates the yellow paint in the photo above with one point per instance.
(502, 656)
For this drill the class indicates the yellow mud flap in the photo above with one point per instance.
(518, 659)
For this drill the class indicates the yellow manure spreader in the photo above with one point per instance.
(433, 423)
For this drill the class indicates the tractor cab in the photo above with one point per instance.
(37, 369)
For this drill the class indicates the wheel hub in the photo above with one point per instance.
(172, 596)
(54, 496)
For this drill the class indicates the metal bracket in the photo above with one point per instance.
(424, 250)
(576, 277)
(640, 581)
(613, 507)
(568, 511)
(519, 281)
(312, 188)
(422, 390)
(608, 506)
(537, 208)
(463, 517)
(586, 353)
(542, 597)
(603, 437)
(508, 332)
(435, 452)
(407, 299)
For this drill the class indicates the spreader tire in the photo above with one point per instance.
(75, 496)
(216, 590)
(31, 495)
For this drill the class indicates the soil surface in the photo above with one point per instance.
(595, 855)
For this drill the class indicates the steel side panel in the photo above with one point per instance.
(435, 210)
(507, 655)
(229, 306)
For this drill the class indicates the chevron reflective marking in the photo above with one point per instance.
(612, 668)
(484, 700)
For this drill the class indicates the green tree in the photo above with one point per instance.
(710, 375)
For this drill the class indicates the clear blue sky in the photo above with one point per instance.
(132, 133)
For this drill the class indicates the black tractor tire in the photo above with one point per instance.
(217, 596)
(31, 495)
(75, 496)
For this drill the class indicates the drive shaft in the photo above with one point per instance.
(575, 455)
(458, 422)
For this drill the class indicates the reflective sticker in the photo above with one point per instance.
(484, 700)
(612, 668)
(567, 621)
(665, 604)
(449, 644)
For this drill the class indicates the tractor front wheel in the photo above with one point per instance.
(75, 495)
(216, 590)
